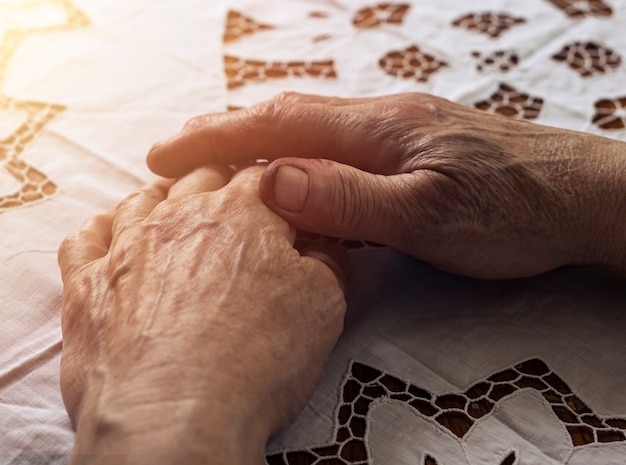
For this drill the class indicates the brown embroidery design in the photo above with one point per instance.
(239, 25)
(500, 60)
(33, 184)
(611, 113)
(241, 72)
(508, 460)
(583, 8)
(383, 13)
(492, 24)
(411, 63)
(455, 412)
(589, 58)
(508, 101)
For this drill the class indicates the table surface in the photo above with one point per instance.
(432, 368)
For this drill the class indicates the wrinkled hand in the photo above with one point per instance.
(469, 192)
(190, 322)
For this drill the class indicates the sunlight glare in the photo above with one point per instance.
(31, 14)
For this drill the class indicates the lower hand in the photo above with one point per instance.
(191, 326)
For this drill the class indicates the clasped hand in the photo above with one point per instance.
(469, 192)
(191, 323)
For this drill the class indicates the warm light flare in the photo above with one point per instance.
(21, 121)
(31, 14)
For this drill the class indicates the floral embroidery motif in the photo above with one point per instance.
(390, 13)
(33, 184)
(611, 113)
(492, 24)
(455, 412)
(241, 72)
(583, 8)
(589, 58)
(411, 63)
(507, 101)
(500, 60)
(239, 25)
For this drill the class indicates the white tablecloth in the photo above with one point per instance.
(432, 368)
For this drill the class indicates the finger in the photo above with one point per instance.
(243, 189)
(333, 255)
(332, 199)
(274, 129)
(136, 207)
(86, 245)
(247, 180)
(204, 179)
(297, 97)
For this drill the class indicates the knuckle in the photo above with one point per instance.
(288, 97)
(194, 123)
(424, 107)
(76, 294)
(68, 244)
(353, 202)
(150, 192)
(127, 201)
(239, 197)
(432, 111)
(277, 109)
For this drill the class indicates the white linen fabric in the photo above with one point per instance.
(432, 368)
(86, 88)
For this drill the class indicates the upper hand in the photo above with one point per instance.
(469, 192)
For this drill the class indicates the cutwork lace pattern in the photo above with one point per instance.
(411, 63)
(492, 24)
(611, 113)
(374, 16)
(589, 58)
(239, 25)
(508, 101)
(241, 72)
(456, 413)
(499, 60)
(34, 185)
(418, 63)
(583, 8)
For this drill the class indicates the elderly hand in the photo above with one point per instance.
(191, 326)
(469, 192)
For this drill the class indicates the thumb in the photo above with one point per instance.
(333, 199)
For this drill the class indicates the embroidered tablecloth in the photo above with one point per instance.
(432, 368)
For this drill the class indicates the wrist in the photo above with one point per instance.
(602, 197)
(138, 429)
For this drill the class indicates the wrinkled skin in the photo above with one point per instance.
(469, 192)
(191, 324)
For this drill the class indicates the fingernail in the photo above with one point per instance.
(291, 188)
